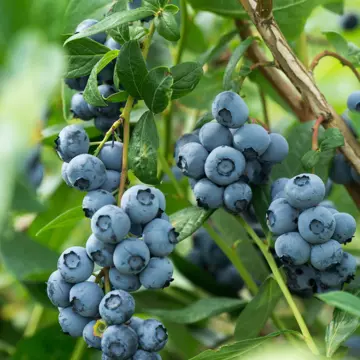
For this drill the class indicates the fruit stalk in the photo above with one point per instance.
(315, 136)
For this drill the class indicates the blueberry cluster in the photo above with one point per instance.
(208, 256)
(310, 232)
(224, 156)
(104, 116)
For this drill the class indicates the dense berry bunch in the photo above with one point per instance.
(310, 233)
(224, 157)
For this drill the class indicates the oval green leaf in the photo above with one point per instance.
(167, 26)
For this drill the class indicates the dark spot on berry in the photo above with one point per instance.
(71, 260)
(113, 302)
(82, 184)
(145, 197)
(225, 115)
(302, 180)
(103, 222)
(316, 227)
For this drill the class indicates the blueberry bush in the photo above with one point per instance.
(180, 179)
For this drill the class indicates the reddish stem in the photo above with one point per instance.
(315, 136)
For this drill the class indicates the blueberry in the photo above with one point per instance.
(195, 257)
(119, 342)
(85, 298)
(224, 165)
(112, 109)
(208, 195)
(64, 174)
(345, 228)
(183, 140)
(230, 110)
(58, 290)
(107, 74)
(301, 279)
(278, 186)
(78, 84)
(326, 255)
(256, 173)
(213, 135)
(36, 175)
(104, 123)
(80, 108)
(229, 276)
(145, 355)
(112, 181)
(252, 140)
(135, 322)
(134, 4)
(353, 101)
(191, 160)
(349, 21)
(237, 197)
(328, 187)
(340, 171)
(161, 198)
(157, 274)
(316, 225)
(131, 256)
(110, 224)
(95, 200)
(160, 237)
(89, 337)
(74, 265)
(329, 278)
(141, 204)
(347, 267)
(126, 282)
(112, 44)
(327, 204)
(72, 323)
(86, 172)
(100, 37)
(72, 141)
(304, 191)
(192, 182)
(355, 176)
(117, 307)
(277, 150)
(152, 335)
(111, 155)
(281, 217)
(136, 229)
(34, 169)
(292, 249)
(100, 252)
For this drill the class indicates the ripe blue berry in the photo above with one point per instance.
(112, 44)
(100, 37)
(152, 335)
(161, 197)
(112, 181)
(329, 279)
(278, 186)
(111, 155)
(347, 267)
(78, 84)
(104, 123)
(100, 252)
(213, 135)
(72, 323)
(345, 228)
(58, 290)
(340, 171)
(126, 282)
(135, 322)
(292, 249)
(301, 279)
(80, 108)
(237, 197)
(316, 225)
(326, 255)
(196, 258)
(183, 140)
(157, 274)
(224, 165)
(145, 355)
(353, 101)
(281, 217)
(117, 307)
(229, 277)
(141, 204)
(119, 342)
(75, 265)
(95, 200)
(86, 172)
(304, 191)
(131, 256)
(252, 140)
(89, 337)
(72, 141)
(208, 195)
(277, 150)
(349, 21)
(230, 110)
(112, 109)
(110, 224)
(64, 174)
(85, 298)
(191, 160)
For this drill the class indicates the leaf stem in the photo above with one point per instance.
(113, 128)
(79, 349)
(278, 277)
(183, 31)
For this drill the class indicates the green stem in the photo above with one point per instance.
(147, 42)
(114, 126)
(183, 31)
(302, 49)
(107, 280)
(168, 131)
(282, 285)
(34, 320)
(79, 349)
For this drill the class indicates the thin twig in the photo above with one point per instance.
(315, 135)
(264, 107)
(342, 60)
(262, 65)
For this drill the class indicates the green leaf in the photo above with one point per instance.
(138, 32)
(112, 21)
(91, 93)
(342, 300)
(167, 26)
(69, 217)
(156, 5)
(156, 89)
(338, 42)
(117, 97)
(234, 59)
(333, 139)
(261, 202)
(207, 117)
(120, 34)
(186, 76)
(25, 198)
(131, 68)
(336, 7)
(310, 159)
(238, 349)
(340, 329)
(172, 8)
(82, 56)
(253, 318)
(187, 221)
(199, 310)
(143, 149)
